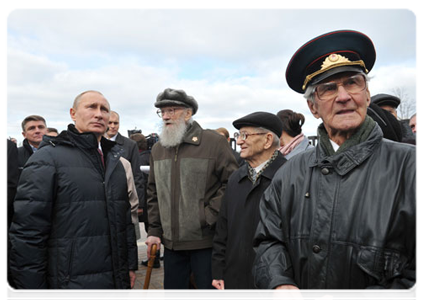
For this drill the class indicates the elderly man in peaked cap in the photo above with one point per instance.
(342, 215)
(189, 171)
(233, 253)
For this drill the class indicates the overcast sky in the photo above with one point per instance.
(232, 62)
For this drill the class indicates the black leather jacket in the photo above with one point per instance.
(342, 222)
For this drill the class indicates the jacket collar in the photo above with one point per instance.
(194, 134)
(86, 140)
(347, 160)
(269, 172)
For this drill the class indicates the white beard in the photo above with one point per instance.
(171, 136)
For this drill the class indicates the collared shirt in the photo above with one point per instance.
(113, 138)
(33, 148)
(335, 146)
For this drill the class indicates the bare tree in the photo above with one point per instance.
(407, 106)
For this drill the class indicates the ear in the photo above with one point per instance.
(188, 115)
(269, 141)
(313, 109)
(24, 134)
(368, 100)
(72, 113)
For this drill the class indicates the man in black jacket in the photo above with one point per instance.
(72, 225)
(33, 129)
(233, 254)
(130, 153)
(342, 215)
(12, 183)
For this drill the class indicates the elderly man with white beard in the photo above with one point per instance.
(189, 171)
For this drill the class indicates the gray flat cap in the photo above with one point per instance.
(172, 97)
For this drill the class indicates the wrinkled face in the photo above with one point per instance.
(345, 111)
(113, 125)
(413, 124)
(172, 114)
(253, 145)
(92, 114)
(34, 131)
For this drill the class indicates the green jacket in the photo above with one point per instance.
(185, 188)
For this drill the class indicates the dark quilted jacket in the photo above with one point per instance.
(72, 226)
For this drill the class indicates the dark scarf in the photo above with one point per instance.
(251, 172)
(358, 137)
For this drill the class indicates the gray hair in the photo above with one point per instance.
(276, 141)
(309, 92)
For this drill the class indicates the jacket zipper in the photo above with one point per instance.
(173, 200)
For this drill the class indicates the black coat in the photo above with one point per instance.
(24, 153)
(72, 225)
(12, 183)
(233, 253)
(144, 160)
(131, 154)
(346, 221)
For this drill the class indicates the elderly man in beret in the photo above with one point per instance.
(233, 253)
(189, 171)
(342, 215)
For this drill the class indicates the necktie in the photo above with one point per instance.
(101, 155)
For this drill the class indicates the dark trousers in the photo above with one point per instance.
(178, 266)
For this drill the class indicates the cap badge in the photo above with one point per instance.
(334, 59)
(194, 139)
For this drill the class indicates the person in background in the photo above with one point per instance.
(390, 104)
(292, 141)
(189, 170)
(223, 131)
(12, 183)
(52, 131)
(130, 152)
(412, 123)
(233, 253)
(33, 129)
(325, 223)
(390, 126)
(72, 226)
(144, 160)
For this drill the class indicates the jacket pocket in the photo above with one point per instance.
(381, 264)
(68, 272)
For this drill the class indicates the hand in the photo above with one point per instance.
(218, 284)
(287, 292)
(325, 297)
(150, 241)
(132, 277)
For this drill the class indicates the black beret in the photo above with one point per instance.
(171, 97)
(260, 119)
(385, 99)
(329, 54)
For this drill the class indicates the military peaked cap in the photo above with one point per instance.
(329, 54)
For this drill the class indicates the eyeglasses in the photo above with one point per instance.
(329, 90)
(244, 135)
(169, 111)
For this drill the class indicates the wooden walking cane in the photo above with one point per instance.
(150, 266)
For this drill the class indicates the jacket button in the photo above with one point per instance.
(307, 195)
(316, 249)
(325, 171)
